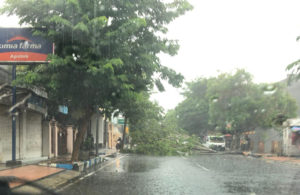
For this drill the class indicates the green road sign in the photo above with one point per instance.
(121, 121)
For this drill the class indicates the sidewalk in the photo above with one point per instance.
(274, 157)
(50, 182)
(56, 181)
(25, 162)
(49, 176)
(2, 166)
(258, 155)
(294, 160)
(29, 173)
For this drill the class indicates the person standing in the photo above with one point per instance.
(119, 143)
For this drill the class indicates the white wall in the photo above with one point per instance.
(101, 128)
(34, 135)
(288, 148)
(6, 135)
(29, 146)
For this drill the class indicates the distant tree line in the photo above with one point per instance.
(233, 103)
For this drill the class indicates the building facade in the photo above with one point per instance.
(30, 112)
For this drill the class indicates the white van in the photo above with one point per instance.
(215, 142)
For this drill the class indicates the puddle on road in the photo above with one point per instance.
(138, 165)
(133, 165)
(238, 187)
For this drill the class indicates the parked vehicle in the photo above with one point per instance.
(215, 142)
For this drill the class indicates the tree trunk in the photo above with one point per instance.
(124, 133)
(82, 129)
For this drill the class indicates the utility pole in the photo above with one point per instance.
(97, 132)
(13, 160)
(105, 133)
(13, 115)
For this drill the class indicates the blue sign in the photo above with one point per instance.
(19, 45)
(63, 109)
(295, 128)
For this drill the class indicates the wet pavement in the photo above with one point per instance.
(2, 166)
(200, 174)
(29, 173)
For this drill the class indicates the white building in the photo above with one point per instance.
(291, 129)
(29, 121)
(93, 128)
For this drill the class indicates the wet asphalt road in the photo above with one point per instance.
(199, 174)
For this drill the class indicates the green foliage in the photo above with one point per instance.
(277, 104)
(152, 133)
(158, 140)
(105, 49)
(193, 112)
(233, 103)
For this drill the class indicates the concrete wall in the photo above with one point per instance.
(6, 135)
(28, 135)
(263, 139)
(34, 135)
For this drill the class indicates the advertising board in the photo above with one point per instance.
(19, 45)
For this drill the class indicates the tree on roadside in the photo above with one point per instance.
(238, 104)
(154, 133)
(192, 113)
(104, 49)
(233, 103)
(136, 107)
(232, 100)
(277, 105)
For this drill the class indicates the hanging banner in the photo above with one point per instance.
(19, 45)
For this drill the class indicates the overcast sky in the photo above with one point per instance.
(223, 35)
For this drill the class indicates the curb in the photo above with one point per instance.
(84, 165)
(80, 166)
(57, 165)
(66, 177)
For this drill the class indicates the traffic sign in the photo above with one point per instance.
(121, 121)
